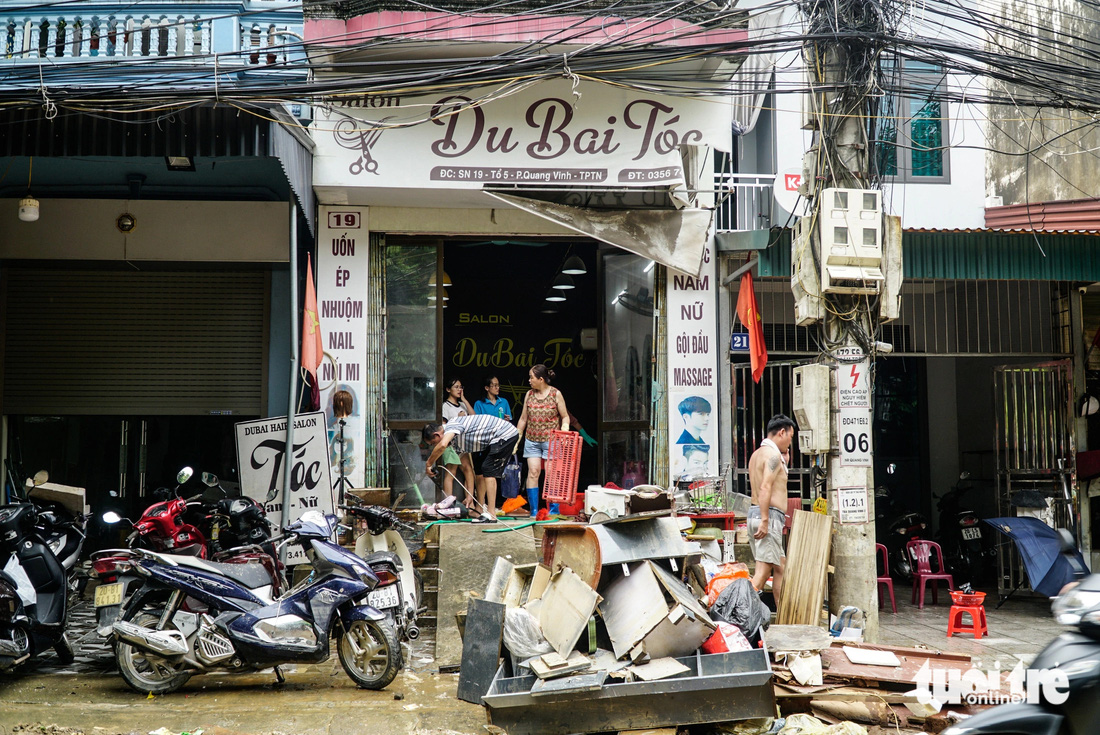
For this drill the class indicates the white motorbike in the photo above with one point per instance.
(399, 588)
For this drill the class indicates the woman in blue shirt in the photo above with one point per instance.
(493, 405)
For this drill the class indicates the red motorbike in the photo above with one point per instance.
(238, 534)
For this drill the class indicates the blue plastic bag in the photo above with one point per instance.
(509, 481)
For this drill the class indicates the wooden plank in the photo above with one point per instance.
(804, 576)
(480, 649)
(837, 665)
(548, 668)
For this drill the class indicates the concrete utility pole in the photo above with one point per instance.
(840, 158)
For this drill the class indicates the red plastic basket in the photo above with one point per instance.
(963, 598)
(563, 467)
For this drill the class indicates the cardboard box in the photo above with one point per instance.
(68, 497)
(373, 495)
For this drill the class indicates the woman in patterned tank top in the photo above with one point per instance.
(543, 411)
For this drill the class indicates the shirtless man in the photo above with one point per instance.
(768, 477)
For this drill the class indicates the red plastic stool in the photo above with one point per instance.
(964, 604)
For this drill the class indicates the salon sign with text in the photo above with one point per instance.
(555, 132)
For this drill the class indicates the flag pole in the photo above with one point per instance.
(288, 457)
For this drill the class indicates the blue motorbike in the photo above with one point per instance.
(192, 616)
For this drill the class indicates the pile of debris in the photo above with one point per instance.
(628, 607)
(848, 680)
(605, 622)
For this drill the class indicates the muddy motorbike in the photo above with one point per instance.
(239, 533)
(193, 616)
(400, 588)
(33, 590)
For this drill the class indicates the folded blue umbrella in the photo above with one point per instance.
(1048, 569)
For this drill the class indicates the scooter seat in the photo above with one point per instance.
(385, 557)
(252, 575)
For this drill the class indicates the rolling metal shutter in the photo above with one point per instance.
(129, 342)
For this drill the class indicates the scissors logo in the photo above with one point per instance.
(350, 135)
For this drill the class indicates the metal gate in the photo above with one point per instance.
(753, 405)
(1035, 448)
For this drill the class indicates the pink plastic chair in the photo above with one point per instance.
(920, 552)
(885, 579)
(793, 504)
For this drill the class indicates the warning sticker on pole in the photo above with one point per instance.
(852, 505)
(853, 400)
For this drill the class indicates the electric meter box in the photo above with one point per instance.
(810, 397)
(851, 240)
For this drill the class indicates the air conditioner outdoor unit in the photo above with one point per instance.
(850, 228)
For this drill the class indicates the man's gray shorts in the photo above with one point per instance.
(770, 548)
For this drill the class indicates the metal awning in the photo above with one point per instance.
(675, 238)
(974, 255)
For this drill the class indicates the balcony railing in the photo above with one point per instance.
(111, 36)
(745, 201)
(191, 31)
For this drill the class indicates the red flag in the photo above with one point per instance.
(750, 317)
(312, 350)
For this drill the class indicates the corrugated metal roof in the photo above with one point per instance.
(1071, 215)
(976, 255)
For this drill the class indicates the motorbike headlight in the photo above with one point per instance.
(1069, 608)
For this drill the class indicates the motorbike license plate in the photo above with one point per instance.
(108, 594)
(380, 599)
(971, 534)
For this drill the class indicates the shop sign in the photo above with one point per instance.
(343, 268)
(557, 132)
(853, 400)
(693, 372)
(261, 466)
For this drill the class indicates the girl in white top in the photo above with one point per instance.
(457, 405)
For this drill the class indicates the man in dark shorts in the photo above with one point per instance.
(495, 438)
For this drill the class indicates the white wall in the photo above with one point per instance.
(959, 204)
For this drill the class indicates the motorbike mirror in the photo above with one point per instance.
(184, 475)
(41, 478)
(1067, 542)
(891, 468)
(209, 479)
(110, 517)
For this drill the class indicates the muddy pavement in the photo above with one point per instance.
(88, 696)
